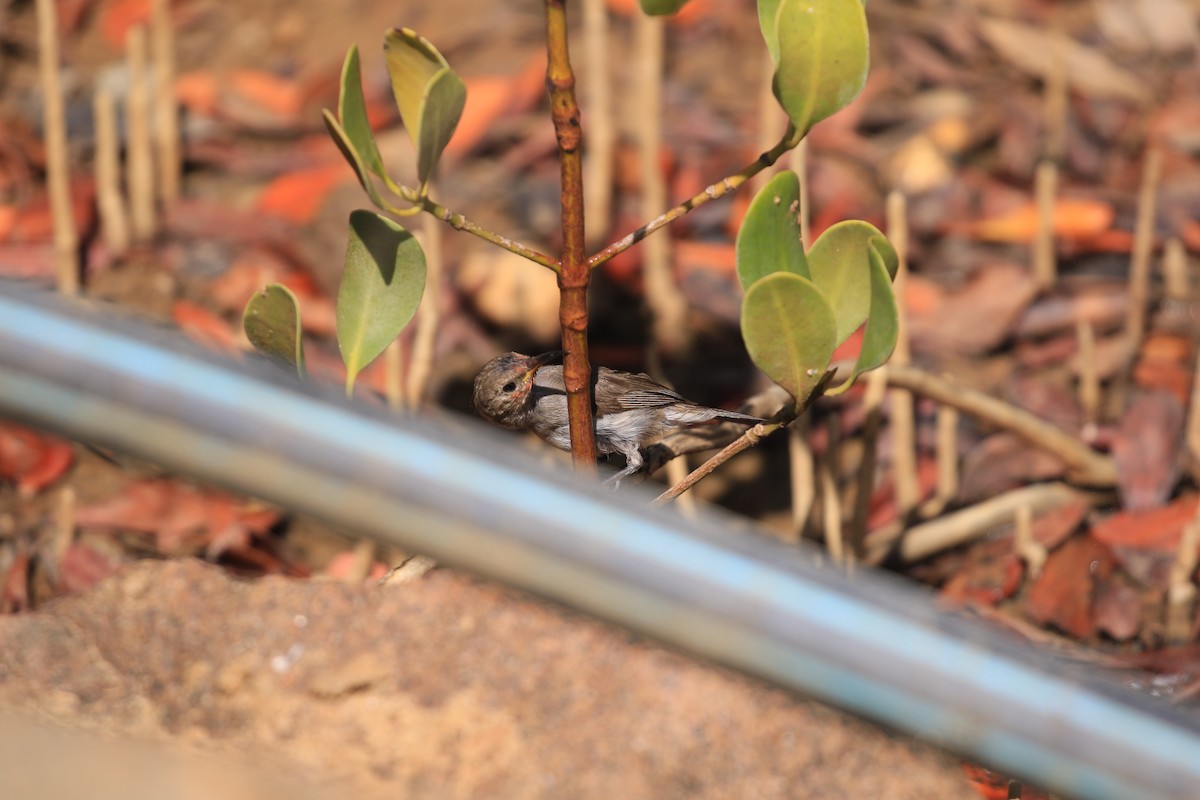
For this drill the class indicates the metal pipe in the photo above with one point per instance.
(464, 495)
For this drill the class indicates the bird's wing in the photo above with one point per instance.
(627, 391)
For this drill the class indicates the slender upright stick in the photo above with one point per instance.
(904, 437)
(574, 274)
(1143, 247)
(114, 220)
(166, 111)
(602, 134)
(58, 179)
(428, 315)
(667, 306)
(1045, 264)
(139, 150)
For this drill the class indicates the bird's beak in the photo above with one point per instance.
(534, 363)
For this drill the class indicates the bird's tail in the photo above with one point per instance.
(701, 415)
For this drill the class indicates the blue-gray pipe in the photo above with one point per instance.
(469, 497)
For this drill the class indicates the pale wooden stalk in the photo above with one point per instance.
(420, 365)
(667, 305)
(903, 421)
(873, 409)
(601, 130)
(1055, 101)
(803, 476)
(393, 374)
(1193, 425)
(800, 456)
(1143, 247)
(1089, 376)
(1028, 549)
(139, 150)
(110, 201)
(1181, 590)
(831, 512)
(58, 175)
(947, 462)
(64, 523)
(957, 528)
(800, 166)
(166, 112)
(1045, 262)
(769, 118)
(1177, 282)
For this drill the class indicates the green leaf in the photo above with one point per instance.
(272, 324)
(428, 93)
(382, 285)
(840, 264)
(769, 239)
(821, 55)
(352, 115)
(788, 328)
(342, 140)
(658, 8)
(883, 323)
(768, 13)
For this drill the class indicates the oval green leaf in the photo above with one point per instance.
(659, 8)
(822, 57)
(788, 329)
(769, 239)
(840, 264)
(352, 114)
(342, 140)
(381, 288)
(272, 324)
(768, 14)
(428, 93)
(883, 323)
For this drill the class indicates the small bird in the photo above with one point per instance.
(522, 392)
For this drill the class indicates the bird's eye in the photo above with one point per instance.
(510, 386)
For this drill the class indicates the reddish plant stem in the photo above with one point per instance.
(574, 273)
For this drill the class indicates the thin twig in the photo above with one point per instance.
(713, 192)
(58, 177)
(461, 223)
(574, 274)
(1084, 464)
(1143, 247)
(748, 439)
(928, 538)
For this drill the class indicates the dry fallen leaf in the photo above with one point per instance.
(1040, 52)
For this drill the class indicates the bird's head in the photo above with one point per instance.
(504, 385)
